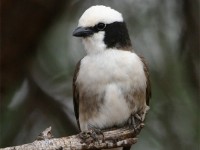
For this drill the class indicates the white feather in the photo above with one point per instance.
(99, 13)
(94, 44)
(109, 72)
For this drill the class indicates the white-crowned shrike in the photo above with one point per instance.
(111, 83)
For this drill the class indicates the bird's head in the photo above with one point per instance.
(102, 28)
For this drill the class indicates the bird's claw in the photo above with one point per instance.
(134, 120)
(92, 134)
(84, 135)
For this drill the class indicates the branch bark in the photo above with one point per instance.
(122, 137)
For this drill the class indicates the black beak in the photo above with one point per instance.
(82, 32)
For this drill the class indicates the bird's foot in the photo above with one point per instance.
(96, 132)
(84, 135)
(134, 120)
(93, 134)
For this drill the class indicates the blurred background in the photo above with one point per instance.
(39, 54)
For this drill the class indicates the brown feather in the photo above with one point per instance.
(148, 89)
(76, 93)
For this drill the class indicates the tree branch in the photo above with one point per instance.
(125, 136)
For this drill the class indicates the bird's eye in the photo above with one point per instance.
(101, 26)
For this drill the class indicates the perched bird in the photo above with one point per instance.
(111, 83)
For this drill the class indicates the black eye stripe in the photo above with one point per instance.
(116, 34)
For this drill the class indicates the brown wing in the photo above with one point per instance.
(148, 89)
(76, 93)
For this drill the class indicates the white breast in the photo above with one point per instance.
(110, 72)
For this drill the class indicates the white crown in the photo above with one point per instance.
(99, 13)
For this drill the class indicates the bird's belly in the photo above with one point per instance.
(104, 83)
(114, 111)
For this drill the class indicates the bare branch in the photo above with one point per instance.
(125, 136)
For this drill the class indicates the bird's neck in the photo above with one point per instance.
(94, 44)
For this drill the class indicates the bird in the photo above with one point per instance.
(111, 82)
